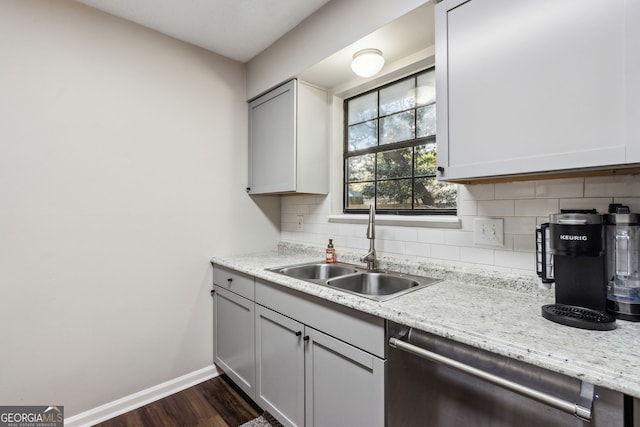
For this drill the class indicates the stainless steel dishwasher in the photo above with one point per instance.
(433, 381)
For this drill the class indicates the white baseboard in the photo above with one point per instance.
(141, 398)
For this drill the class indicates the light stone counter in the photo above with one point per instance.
(496, 312)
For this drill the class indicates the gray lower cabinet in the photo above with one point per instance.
(280, 366)
(344, 386)
(306, 377)
(233, 337)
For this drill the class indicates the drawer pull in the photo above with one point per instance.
(298, 333)
(229, 280)
(306, 338)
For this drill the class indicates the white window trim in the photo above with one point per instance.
(427, 221)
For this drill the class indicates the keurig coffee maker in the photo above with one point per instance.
(623, 249)
(576, 240)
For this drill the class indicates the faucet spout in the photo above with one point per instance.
(370, 257)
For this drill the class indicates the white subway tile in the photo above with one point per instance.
(356, 243)
(383, 232)
(458, 238)
(560, 188)
(616, 186)
(517, 260)
(451, 253)
(520, 224)
(477, 255)
(524, 242)
(536, 207)
(507, 243)
(467, 208)
(431, 236)
(418, 249)
(466, 223)
(496, 208)
(476, 192)
(407, 234)
(515, 190)
(390, 247)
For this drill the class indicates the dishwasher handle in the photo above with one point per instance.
(587, 390)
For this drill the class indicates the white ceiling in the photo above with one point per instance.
(240, 29)
(237, 29)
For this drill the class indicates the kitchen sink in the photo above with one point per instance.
(373, 283)
(317, 271)
(378, 285)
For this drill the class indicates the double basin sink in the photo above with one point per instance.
(377, 284)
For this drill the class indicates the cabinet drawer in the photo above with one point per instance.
(234, 281)
(362, 330)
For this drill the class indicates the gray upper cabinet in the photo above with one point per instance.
(536, 86)
(288, 140)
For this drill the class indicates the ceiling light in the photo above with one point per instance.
(367, 62)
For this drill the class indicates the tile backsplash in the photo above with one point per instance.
(522, 205)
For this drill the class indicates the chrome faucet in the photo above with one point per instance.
(370, 257)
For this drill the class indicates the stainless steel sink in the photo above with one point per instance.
(317, 271)
(373, 283)
(377, 285)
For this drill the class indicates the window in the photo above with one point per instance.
(390, 150)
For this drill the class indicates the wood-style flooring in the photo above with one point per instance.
(213, 403)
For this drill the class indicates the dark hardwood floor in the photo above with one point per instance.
(214, 403)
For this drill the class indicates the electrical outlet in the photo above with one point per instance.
(300, 223)
(488, 231)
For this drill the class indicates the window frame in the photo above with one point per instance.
(346, 154)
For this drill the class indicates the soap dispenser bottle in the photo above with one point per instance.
(331, 253)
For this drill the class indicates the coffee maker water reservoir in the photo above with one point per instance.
(623, 250)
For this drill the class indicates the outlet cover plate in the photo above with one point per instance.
(488, 231)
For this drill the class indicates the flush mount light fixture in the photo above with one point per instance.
(367, 62)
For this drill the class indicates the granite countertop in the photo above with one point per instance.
(497, 312)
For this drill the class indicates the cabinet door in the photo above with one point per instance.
(344, 385)
(234, 338)
(529, 86)
(633, 80)
(280, 366)
(272, 141)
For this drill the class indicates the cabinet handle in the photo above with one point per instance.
(229, 280)
(213, 291)
(298, 333)
(440, 169)
(306, 338)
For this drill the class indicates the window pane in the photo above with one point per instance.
(398, 127)
(430, 193)
(394, 194)
(398, 97)
(363, 108)
(394, 164)
(426, 91)
(361, 168)
(364, 135)
(426, 122)
(360, 196)
(425, 159)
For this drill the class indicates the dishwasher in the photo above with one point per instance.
(434, 381)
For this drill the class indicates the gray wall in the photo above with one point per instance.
(122, 171)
